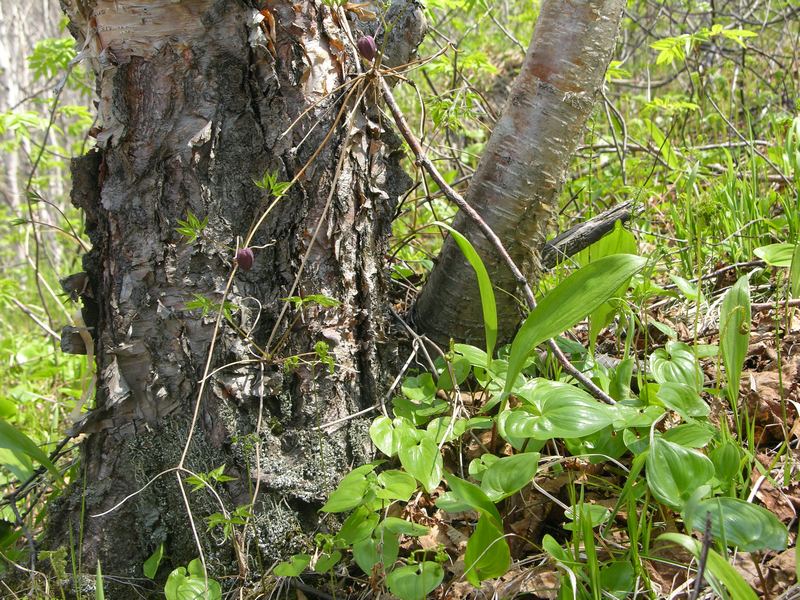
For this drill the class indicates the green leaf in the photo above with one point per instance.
(424, 462)
(152, 563)
(292, 567)
(350, 491)
(381, 433)
(683, 399)
(473, 496)
(676, 363)
(508, 475)
(415, 582)
(381, 548)
(359, 525)
(690, 435)
(100, 592)
(570, 301)
(488, 304)
(403, 527)
(555, 410)
(618, 579)
(720, 574)
(19, 443)
(776, 255)
(734, 331)
(674, 472)
(735, 522)
(325, 562)
(794, 273)
(487, 555)
(395, 485)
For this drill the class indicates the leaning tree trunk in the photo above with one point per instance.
(515, 188)
(196, 100)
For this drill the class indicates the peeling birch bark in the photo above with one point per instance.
(516, 184)
(198, 99)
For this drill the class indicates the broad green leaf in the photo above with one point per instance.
(292, 567)
(424, 462)
(395, 485)
(415, 582)
(402, 527)
(727, 464)
(676, 363)
(350, 491)
(19, 443)
(596, 513)
(152, 563)
(618, 579)
(508, 475)
(690, 435)
(381, 433)
(460, 368)
(473, 496)
(359, 525)
(674, 472)
(735, 522)
(419, 388)
(381, 548)
(721, 575)
(488, 304)
(734, 332)
(325, 562)
(794, 273)
(571, 300)
(683, 399)
(776, 255)
(487, 555)
(555, 410)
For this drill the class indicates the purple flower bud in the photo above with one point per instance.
(245, 258)
(366, 47)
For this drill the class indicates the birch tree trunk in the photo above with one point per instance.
(196, 100)
(515, 188)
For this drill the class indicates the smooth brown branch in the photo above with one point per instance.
(452, 195)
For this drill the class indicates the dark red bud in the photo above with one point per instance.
(245, 258)
(366, 47)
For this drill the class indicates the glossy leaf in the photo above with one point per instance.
(488, 303)
(683, 399)
(571, 300)
(674, 472)
(19, 443)
(395, 485)
(415, 582)
(735, 522)
(381, 548)
(734, 332)
(508, 475)
(676, 363)
(152, 563)
(473, 496)
(424, 462)
(350, 491)
(487, 555)
(776, 255)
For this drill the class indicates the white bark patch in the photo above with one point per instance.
(132, 28)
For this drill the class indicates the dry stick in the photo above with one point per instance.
(458, 200)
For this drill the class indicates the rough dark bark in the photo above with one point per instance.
(195, 103)
(515, 187)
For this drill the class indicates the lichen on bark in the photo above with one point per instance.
(196, 101)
